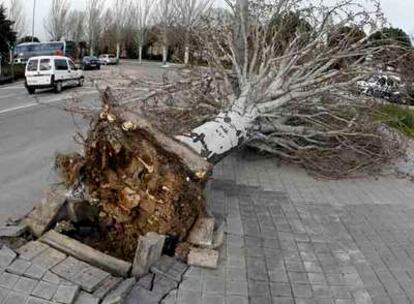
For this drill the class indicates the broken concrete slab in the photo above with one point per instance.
(47, 212)
(31, 250)
(66, 294)
(12, 231)
(7, 256)
(118, 295)
(86, 253)
(140, 295)
(109, 284)
(170, 268)
(86, 298)
(203, 257)
(149, 250)
(202, 232)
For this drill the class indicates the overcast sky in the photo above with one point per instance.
(399, 12)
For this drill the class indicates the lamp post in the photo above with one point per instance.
(33, 22)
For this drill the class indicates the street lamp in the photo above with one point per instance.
(33, 22)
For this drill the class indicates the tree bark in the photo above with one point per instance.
(164, 55)
(118, 50)
(140, 54)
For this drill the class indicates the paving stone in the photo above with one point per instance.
(45, 290)
(203, 257)
(188, 297)
(49, 258)
(237, 300)
(171, 298)
(15, 298)
(163, 285)
(191, 284)
(32, 249)
(170, 268)
(213, 299)
(50, 277)
(202, 232)
(12, 231)
(3, 293)
(80, 273)
(25, 285)
(86, 298)
(8, 280)
(34, 300)
(214, 285)
(236, 288)
(18, 266)
(107, 286)
(46, 212)
(90, 278)
(140, 295)
(119, 294)
(7, 256)
(280, 290)
(66, 294)
(149, 250)
(35, 272)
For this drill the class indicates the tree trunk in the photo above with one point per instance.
(140, 54)
(186, 47)
(118, 50)
(91, 51)
(215, 139)
(186, 55)
(164, 55)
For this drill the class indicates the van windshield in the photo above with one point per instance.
(32, 65)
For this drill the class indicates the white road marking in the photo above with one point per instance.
(29, 105)
(16, 86)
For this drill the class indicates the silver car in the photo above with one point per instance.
(108, 59)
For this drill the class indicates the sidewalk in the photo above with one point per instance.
(294, 239)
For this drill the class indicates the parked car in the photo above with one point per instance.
(90, 63)
(108, 59)
(52, 72)
(382, 86)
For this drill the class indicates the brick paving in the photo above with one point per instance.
(291, 238)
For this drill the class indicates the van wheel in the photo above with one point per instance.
(58, 87)
(81, 82)
(31, 90)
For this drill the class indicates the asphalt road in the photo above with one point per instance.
(32, 130)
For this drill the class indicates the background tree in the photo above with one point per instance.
(189, 13)
(93, 23)
(28, 39)
(55, 23)
(165, 15)
(75, 26)
(8, 36)
(17, 15)
(121, 13)
(142, 14)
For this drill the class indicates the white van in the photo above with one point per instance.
(52, 72)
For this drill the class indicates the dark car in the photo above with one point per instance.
(90, 63)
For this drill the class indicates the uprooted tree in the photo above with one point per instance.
(280, 90)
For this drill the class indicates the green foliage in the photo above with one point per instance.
(28, 39)
(19, 70)
(391, 35)
(398, 117)
(7, 36)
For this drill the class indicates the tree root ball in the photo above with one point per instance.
(140, 179)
